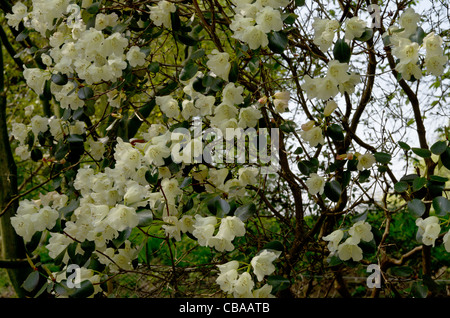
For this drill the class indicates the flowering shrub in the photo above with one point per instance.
(156, 105)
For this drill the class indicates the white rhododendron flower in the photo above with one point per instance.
(365, 161)
(135, 56)
(334, 238)
(408, 20)
(160, 14)
(232, 94)
(269, 19)
(36, 78)
(330, 106)
(314, 136)
(350, 249)
(230, 227)
(315, 184)
(218, 63)
(446, 241)
(168, 105)
(429, 229)
(228, 275)
(19, 11)
(361, 230)
(248, 117)
(262, 263)
(435, 64)
(243, 286)
(354, 28)
(120, 217)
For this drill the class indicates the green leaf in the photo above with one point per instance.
(274, 245)
(419, 290)
(245, 211)
(401, 186)
(445, 158)
(364, 176)
(278, 283)
(342, 51)
(93, 8)
(86, 289)
(439, 147)
(234, 72)
(416, 207)
(145, 218)
(197, 54)
(424, 153)
(218, 206)
(418, 36)
(419, 183)
(153, 67)
(59, 79)
(188, 71)
(31, 282)
(288, 126)
(381, 157)
(85, 92)
(335, 132)
(367, 35)
(307, 167)
(438, 178)
(441, 205)
(404, 145)
(75, 138)
(402, 271)
(333, 190)
(278, 42)
(299, 3)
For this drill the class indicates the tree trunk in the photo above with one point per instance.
(12, 245)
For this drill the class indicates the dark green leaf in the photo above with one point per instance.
(278, 283)
(418, 36)
(438, 178)
(367, 35)
(441, 205)
(85, 92)
(86, 289)
(234, 72)
(288, 126)
(59, 79)
(424, 153)
(307, 167)
(364, 176)
(274, 245)
(342, 51)
(401, 186)
(402, 271)
(299, 3)
(418, 183)
(445, 158)
(31, 282)
(197, 54)
(75, 138)
(416, 207)
(36, 154)
(278, 42)
(333, 190)
(145, 218)
(439, 147)
(335, 132)
(381, 157)
(93, 8)
(188, 71)
(404, 145)
(153, 67)
(245, 211)
(419, 290)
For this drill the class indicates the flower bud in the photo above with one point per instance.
(307, 126)
(329, 108)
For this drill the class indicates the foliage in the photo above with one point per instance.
(128, 167)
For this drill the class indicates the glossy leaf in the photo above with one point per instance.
(416, 207)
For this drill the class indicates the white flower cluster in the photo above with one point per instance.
(338, 79)
(241, 285)
(408, 52)
(253, 21)
(75, 50)
(58, 129)
(36, 216)
(349, 249)
(203, 228)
